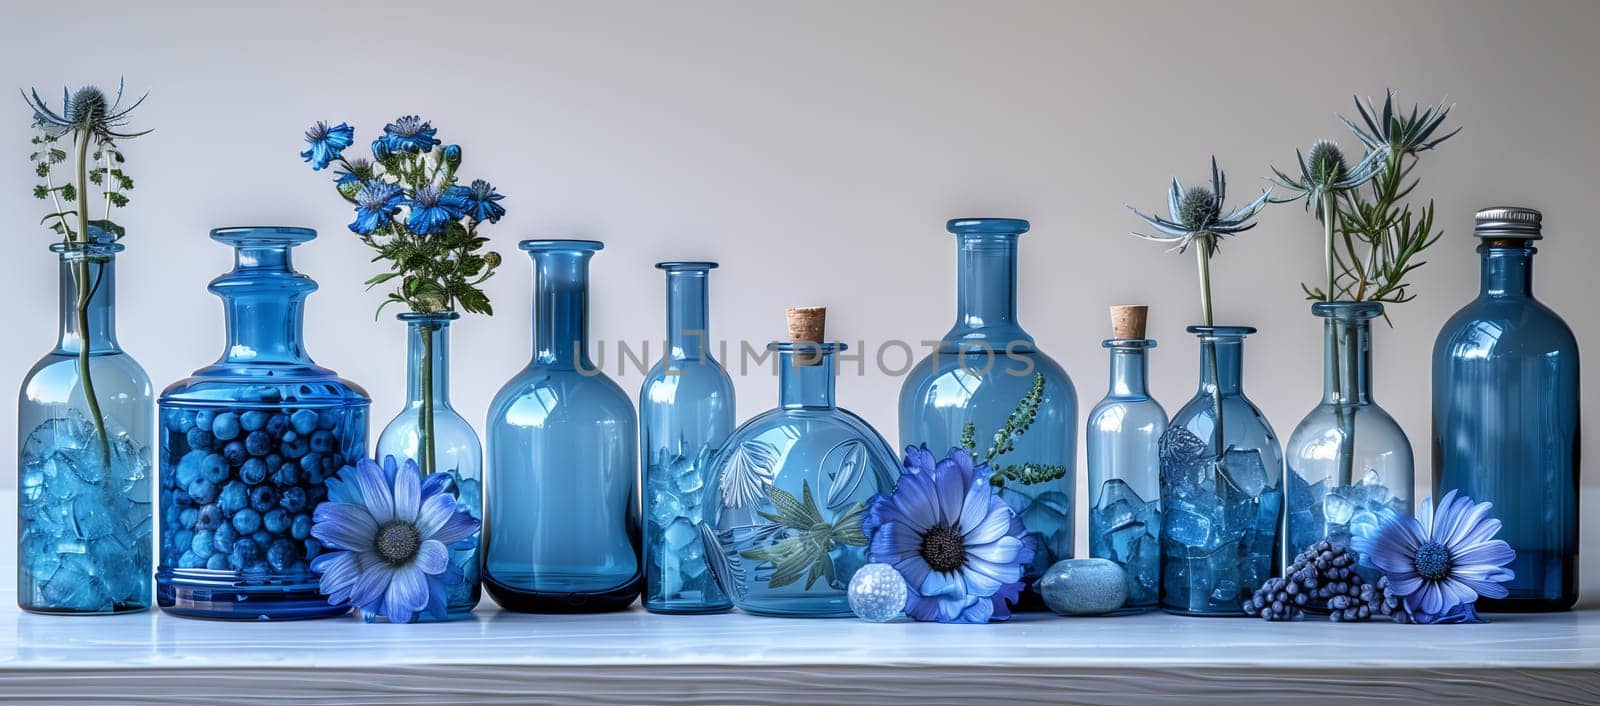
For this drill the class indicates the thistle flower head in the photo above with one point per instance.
(1327, 162)
(1399, 133)
(1198, 213)
(1325, 173)
(86, 109)
(1199, 205)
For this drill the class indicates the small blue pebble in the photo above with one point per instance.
(189, 467)
(247, 521)
(258, 443)
(277, 424)
(204, 417)
(225, 426)
(321, 441)
(293, 499)
(276, 520)
(217, 562)
(263, 497)
(301, 527)
(209, 518)
(214, 468)
(304, 421)
(199, 439)
(222, 539)
(253, 420)
(1084, 586)
(201, 544)
(202, 492)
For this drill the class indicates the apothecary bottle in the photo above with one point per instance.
(84, 472)
(797, 476)
(1505, 414)
(1123, 442)
(561, 530)
(428, 430)
(1221, 495)
(247, 446)
(686, 412)
(982, 369)
(1348, 459)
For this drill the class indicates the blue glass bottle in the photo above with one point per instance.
(1220, 489)
(1505, 415)
(429, 431)
(981, 369)
(1123, 442)
(808, 454)
(686, 412)
(84, 537)
(561, 513)
(247, 446)
(1348, 459)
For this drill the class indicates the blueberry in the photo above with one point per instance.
(225, 426)
(253, 471)
(262, 498)
(245, 551)
(313, 548)
(210, 516)
(190, 560)
(276, 520)
(258, 443)
(182, 422)
(262, 538)
(273, 461)
(288, 474)
(277, 424)
(294, 448)
(189, 467)
(222, 539)
(258, 567)
(311, 462)
(201, 544)
(203, 492)
(180, 497)
(204, 417)
(321, 441)
(188, 518)
(217, 562)
(327, 419)
(234, 453)
(252, 420)
(293, 499)
(182, 538)
(304, 421)
(199, 439)
(281, 554)
(234, 497)
(214, 468)
(246, 521)
(301, 527)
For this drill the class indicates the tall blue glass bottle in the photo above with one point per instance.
(561, 516)
(84, 537)
(1221, 467)
(981, 369)
(1348, 459)
(247, 446)
(1123, 441)
(1505, 415)
(686, 412)
(429, 431)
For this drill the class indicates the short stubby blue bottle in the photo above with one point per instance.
(247, 446)
(686, 412)
(561, 530)
(1505, 415)
(1221, 494)
(1123, 441)
(977, 376)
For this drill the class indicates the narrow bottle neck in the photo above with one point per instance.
(1507, 270)
(561, 308)
(688, 304)
(428, 351)
(264, 300)
(1129, 366)
(805, 379)
(986, 285)
(1221, 364)
(90, 280)
(1347, 361)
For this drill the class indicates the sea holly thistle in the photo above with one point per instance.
(1005, 441)
(89, 123)
(809, 538)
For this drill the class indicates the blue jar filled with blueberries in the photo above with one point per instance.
(247, 447)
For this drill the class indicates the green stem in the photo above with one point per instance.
(427, 400)
(1203, 262)
(1328, 207)
(80, 275)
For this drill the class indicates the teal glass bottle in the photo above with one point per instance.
(1505, 415)
(1123, 442)
(686, 412)
(428, 430)
(247, 446)
(561, 530)
(979, 373)
(84, 539)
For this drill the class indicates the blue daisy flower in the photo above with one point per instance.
(353, 172)
(1441, 560)
(479, 201)
(376, 203)
(326, 143)
(430, 211)
(407, 134)
(960, 547)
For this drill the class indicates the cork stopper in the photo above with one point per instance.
(1127, 320)
(807, 324)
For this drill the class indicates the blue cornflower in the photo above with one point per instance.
(959, 546)
(407, 134)
(376, 203)
(354, 172)
(430, 211)
(452, 155)
(1442, 560)
(477, 201)
(392, 532)
(326, 143)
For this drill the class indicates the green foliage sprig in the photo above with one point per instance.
(1005, 441)
(804, 552)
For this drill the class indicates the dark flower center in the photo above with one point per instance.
(1432, 561)
(944, 549)
(317, 132)
(428, 197)
(397, 542)
(87, 107)
(408, 126)
(1199, 208)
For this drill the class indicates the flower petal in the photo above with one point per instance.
(1491, 553)
(407, 493)
(894, 542)
(993, 526)
(435, 484)
(407, 594)
(915, 496)
(339, 571)
(375, 491)
(376, 575)
(981, 582)
(432, 557)
(434, 513)
(975, 506)
(460, 526)
(950, 490)
(943, 585)
(1466, 519)
(915, 569)
(344, 526)
(1001, 551)
(1403, 584)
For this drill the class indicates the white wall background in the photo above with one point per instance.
(816, 149)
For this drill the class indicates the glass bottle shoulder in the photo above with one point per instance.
(688, 378)
(56, 375)
(1504, 327)
(540, 394)
(1114, 414)
(268, 385)
(949, 380)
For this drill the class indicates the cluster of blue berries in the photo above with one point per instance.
(239, 487)
(1322, 579)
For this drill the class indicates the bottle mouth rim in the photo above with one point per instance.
(1221, 331)
(428, 316)
(687, 265)
(70, 249)
(538, 245)
(992, 226)
(809, 347)
(1347, 310)
(263, 235)
(1129, 343)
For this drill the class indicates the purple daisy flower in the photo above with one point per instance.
(392, 532)
(1441, 560)
(959, 546)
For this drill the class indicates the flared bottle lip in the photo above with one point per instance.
(539, 245)
(808, 347)
(1216, 332)
(423, 317)
(990, 226)
(80, 249)
(1129, 343)
(1357, 311)
(238, 236)
(686, 265)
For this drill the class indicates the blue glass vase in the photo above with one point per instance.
(1505, 415)
(789, 491)
(686, 412)
(429, 431)
(981, 369)
(561, 531)
(247, 446)
(1220, 490)
(1348, 459)
(1123, 441)
(84, 425)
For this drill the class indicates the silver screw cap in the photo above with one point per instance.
(1508, 222)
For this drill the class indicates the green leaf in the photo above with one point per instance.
(115, 230)
(380, 279)
(68, 192)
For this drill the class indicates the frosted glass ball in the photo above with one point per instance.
(878, 593)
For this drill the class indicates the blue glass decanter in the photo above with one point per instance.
(789, 489)
(1348, 459)
(980, 372)
(1220, 493)
(83, 498)
(1505, 415)
(686, 412)
(562, 523)
(247, 445)
(429, 431)
(1123, 441)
